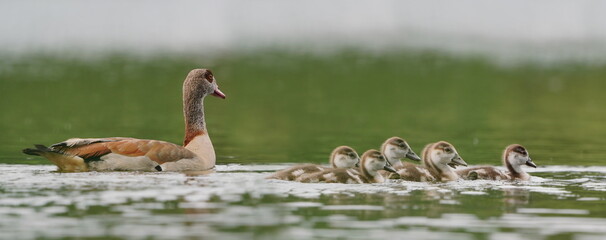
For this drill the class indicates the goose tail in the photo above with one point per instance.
(38, 151)
(64, 162)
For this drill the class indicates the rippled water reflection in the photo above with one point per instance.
(560, 202)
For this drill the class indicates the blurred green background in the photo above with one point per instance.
(284, 106)
(301, 78)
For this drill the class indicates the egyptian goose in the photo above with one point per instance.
(514, 156)
(131, 154)
(372, 161)
(395, 149)
(341, 157)
(437, 160)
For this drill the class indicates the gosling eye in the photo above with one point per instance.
(352, 155)
(447, 150)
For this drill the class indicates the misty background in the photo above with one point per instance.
(543, 30)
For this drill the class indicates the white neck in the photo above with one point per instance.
(438, 169)
(515, 169)
(378, 178)
(524, 176)
(395, 162)
(446, 172)
(373, 175)
(203, 148)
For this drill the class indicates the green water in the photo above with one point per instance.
(295, 108)
(287, 108)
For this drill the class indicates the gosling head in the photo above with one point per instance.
(373, 161)
(444, 153)
(516, 155)
(396, 148)
(344, 157)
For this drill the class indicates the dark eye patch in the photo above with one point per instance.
(209, 76)
(520, 150)
(441, 146)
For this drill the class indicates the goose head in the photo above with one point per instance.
(396, 148)
(443, 153)
(373, 161)
(516, 155)
(344, 157)
(200, 83)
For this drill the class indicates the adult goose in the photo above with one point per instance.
(131, 154)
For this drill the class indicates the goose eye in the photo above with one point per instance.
(209, 77)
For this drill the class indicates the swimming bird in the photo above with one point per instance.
(131, 154)
(514, 157)
(372, 161)
(437, 159)
(395, 149)
(341, 157)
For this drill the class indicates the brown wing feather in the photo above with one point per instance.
(87, 151)
(158, 151)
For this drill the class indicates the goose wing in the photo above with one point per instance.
(94, 148)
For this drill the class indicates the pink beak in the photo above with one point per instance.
(218, 93)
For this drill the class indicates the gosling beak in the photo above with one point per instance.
(530, 163)
(358, 163)
(413, 156)
(389, 168)
(218, 93)
(457, 160)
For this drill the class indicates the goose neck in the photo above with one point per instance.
(193, 111)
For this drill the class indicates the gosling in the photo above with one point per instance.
(514, 157)
(341, 157)
(395, 149)
(372, 161)
(438, 159)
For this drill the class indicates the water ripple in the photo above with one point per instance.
(236, 201)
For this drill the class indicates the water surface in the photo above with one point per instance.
(559, 202)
